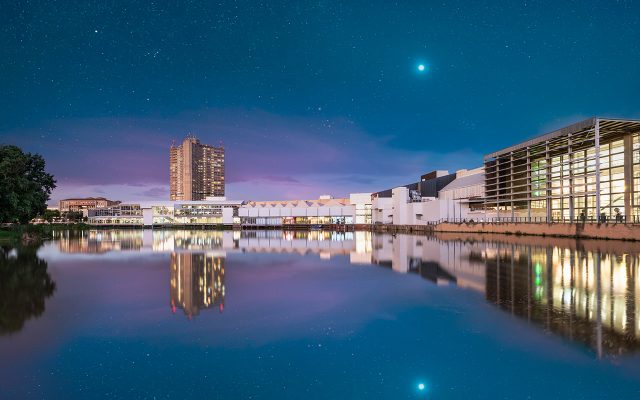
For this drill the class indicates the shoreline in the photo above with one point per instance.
(595, 231)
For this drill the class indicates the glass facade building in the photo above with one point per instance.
(588, 171)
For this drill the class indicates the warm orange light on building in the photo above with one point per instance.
(196, 171)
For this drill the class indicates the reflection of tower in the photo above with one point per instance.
(197, 282)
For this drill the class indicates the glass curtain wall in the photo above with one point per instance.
(555, 178)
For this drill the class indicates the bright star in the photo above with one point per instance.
(421, 385)
(421, 67)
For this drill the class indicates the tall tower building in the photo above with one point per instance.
(195, 170)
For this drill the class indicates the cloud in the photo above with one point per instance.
(266, 154)
(160, 192)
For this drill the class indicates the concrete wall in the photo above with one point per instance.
(382, 210)
(360, 198)
(398, 210)
(227, 215)
(334, 211)
(608, 231)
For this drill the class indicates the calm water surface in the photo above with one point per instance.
(318, 315)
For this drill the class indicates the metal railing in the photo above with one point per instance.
(544, 220)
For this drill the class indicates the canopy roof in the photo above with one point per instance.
(607, 126)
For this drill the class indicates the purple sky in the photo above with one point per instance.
(308, 97)
(268, 156)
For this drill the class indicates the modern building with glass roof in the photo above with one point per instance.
(587, 171)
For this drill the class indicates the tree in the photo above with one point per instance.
(25, 284)
(73, 216)
(25, 186)
(51, 215)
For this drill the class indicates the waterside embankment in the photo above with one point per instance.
(575, 230)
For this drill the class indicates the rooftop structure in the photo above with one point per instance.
(323, 211)
(428, 186)
(85, 203)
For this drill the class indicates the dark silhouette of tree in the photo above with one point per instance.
(25, 284)
(25, 187)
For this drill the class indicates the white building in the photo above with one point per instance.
(439, 196)
(460, 199)
(322, 211)
(355, 210)
(214, 211)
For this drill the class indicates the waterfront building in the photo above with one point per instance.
(214, 211)
(196, 170)
(84, 203)
(587, 171)
(438, 196)
(428, 186)
(355, 210)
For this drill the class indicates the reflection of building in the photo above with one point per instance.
(585, 296)
(587, 291)
(85, 203)
(590, 296)
(98, 241)
(196, 171)
(356, 245)
(197, 282)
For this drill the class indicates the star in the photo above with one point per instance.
(421, 67)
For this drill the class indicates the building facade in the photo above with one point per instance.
(216, 211)
(439, 196)
(85, 203)
(196, 171)
(355, 210)
(588, 171)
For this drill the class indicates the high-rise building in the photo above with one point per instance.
(196, 171)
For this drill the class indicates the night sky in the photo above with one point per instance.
(308, 98)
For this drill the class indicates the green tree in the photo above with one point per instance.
(25, 186)
(51, 215)
(73, 216)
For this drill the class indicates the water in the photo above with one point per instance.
(318, 315)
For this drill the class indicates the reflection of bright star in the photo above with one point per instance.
(421, 385)
(421, 67)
